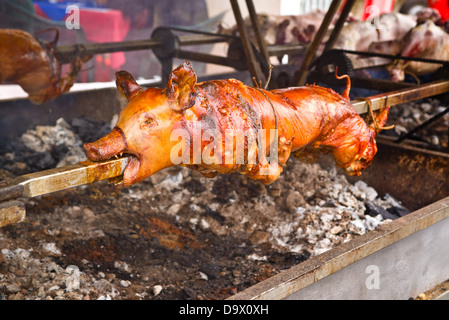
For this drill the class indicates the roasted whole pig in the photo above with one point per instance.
(31, 63)
(282, 29)
(358, 35)
(427, 40)
(205, 126)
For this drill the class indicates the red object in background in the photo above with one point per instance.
(101, 25)
(105, 26)
(40, 12)
(381, 6)
(442, 6)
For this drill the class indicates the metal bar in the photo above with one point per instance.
(166, 69)
(371, 62)
(9, 192)
(405, 269)
(288, 284)
(193, 40)
(203, 57)
(423, 125)
(301, 75)
(226, 37)
(339, 25)
(66, 53)
(277, 50)
(369, 83)
(256, 27)
(394, 57)
(253, 65)
(380, 84)
(443, 296)
(48, 181)
(402, 96)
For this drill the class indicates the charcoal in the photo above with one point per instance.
(89, 130)
(229, 231)
(40, 161)
(215, 215)
(398, 210)
(59, 151)
(189, 294)
(373, 210)
(210, 269)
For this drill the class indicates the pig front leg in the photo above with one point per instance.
(271, 164)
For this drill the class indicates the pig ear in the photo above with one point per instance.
(181, 87)
(127, 85)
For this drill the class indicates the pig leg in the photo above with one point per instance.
(266, 172)
(75, 67)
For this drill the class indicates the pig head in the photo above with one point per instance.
(145, 124)
(426, 40)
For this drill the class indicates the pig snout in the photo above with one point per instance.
(107, 146)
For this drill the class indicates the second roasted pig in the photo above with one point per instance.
(31, 63)
(426, 40)
(224, 126)
(358, 35)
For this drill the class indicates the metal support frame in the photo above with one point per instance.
(341, 273)
(336, 268)
(301, 75)
(420, 127)
(166, 46)
(402, 96)
(253, 66)
(346, 10)
(409, 251)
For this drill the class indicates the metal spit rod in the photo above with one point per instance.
(401, 96)
(66, 53)
(48, 181)
(12, 209)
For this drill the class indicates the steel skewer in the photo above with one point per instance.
(12, 209)
(66, 53)
(402, 96)
(52, 180)
(48, 181)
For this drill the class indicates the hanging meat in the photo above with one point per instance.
(224, 126)
(427, 41)
(31, 63)
(283, 29)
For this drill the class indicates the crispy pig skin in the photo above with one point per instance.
(32, 65)
(310, 121)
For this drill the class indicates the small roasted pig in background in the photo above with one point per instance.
(301, 29)
(31, 64)
(426, 40)
(297, 29)
(284, 29)
(306, 121)
(358, 35)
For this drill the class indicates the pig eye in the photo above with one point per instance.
(148, 122)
